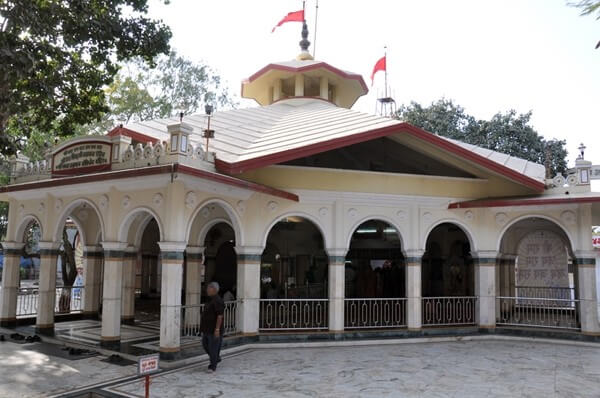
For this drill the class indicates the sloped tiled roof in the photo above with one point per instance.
(255, 137)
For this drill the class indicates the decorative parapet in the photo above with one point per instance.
(94, 154)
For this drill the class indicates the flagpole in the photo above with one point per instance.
(315, 37)
(385, 56)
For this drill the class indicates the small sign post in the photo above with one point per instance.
(148, 365)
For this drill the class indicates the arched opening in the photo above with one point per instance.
(536, 276)
(375, 263)
(447, 277)
(30, 234)
(293, 276)
(221, 259)
(148, 272)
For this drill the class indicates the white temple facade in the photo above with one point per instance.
(313, 216)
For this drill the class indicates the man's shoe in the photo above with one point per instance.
(211, 369)
(219, 360)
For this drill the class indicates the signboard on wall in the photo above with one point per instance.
(82, 157)
(542, 261)
(596, 240)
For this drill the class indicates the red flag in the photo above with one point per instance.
(295, 16)
(379, 65)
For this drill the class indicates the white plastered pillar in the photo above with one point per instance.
(194, 271)
(336, 289)
(114, 256)
(128, 288)
(10, 283)
(414, 300)
(47, 287)
(248, 288)
(485, 287)
(171, 255)
(586, 291)
(92, 282)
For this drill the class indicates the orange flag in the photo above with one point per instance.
(379, 65)
(295, 16)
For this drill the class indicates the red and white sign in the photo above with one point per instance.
(148, 364)
(596, 241)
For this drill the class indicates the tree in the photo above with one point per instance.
(58, 55)
(588, 7)
(509, 132)
(175, 85)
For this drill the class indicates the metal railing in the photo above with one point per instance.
(27, 301)
(371, 313)
(192, 314)
(538, 312)
(562, 293)
(293, 314)
(445, 311)
(67, 300)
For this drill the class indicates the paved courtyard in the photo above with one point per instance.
(477, 368)
(484, 368)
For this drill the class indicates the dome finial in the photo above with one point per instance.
(304, 43)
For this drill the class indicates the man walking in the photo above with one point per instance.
(211, 325)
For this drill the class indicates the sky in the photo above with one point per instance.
(487, 56)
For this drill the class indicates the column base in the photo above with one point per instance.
(112, 343)
(128, 320)
(590, 333)
(8, 323)
(169, 354)
(46, 330)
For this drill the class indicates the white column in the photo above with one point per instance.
(485, 287)
(114, 255)
(248, 288)
(171, 255)
(128, 288)
(586, 289)
(324, 87)
(337, 289)
(414, 301)
(277, 90)
(10, 283)
(92, 282)
(47, 287)
(194, 270)
(299, 88)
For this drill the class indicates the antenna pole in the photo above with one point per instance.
(315, 36)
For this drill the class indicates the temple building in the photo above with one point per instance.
(310, 215)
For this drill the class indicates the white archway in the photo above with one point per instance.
(326, 238)
(25, 221)
(206, 228)
(57, 236)
(377, 217)
(125, 226)
(527, 216)
(459, 224)
(234, 220)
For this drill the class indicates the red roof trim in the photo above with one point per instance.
(400, 128)
(346, 75)
(225, 179)
(147, 171)
(134, 135)
(520, 202)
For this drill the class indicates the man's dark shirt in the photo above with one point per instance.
(212, 310)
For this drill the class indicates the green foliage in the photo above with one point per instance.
(509, 132)
(588, 7)
(58, 55)
(175, 85)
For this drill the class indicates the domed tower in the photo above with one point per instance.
(304, 77)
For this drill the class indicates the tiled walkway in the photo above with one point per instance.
(483, 368)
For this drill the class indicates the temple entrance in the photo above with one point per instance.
(220, 259)
(375, 278)
(536, 276)
(293, 277)
(148, 274)
(448, 286)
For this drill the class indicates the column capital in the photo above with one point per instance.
(114, 246)
(49, 248)
(485, 254)
(92, 249)
(172, 246)
(195, 249)
(12, 246)
(337, 252)
(249, 250)
(586, 254)
(414, 253)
